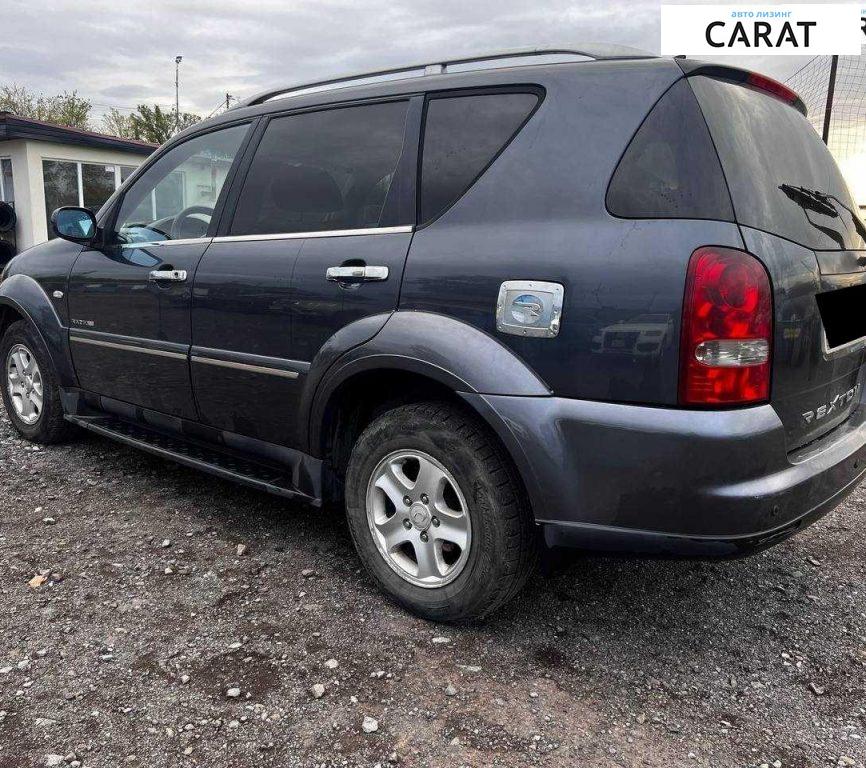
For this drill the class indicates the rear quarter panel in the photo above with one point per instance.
(538, 213)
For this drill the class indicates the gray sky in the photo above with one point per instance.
(121, 54)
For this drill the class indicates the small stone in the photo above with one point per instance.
(53, 760)
(43, 722)
(241, 550)
(370, 724)
(641, 718)
(233, 693)
(846, 761)
(814, 561)
(533, 694)
(38, 580)
(188, 751)
(48, 520)
(317, 691)
(332, 663)
(818, 690)
(168, 571)
(307, 573)
(441, 640)
(23, 665)
(450, 690)
(777, 764)
(184, 679)
(234, 724)
(469, 667)
(166, 543)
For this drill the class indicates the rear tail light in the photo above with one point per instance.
(727, 329)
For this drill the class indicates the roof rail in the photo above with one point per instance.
(593, 52)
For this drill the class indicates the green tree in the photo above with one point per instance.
(116, 123)
(65, 108)
(157, 125)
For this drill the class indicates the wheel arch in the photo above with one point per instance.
(22, 298)
(420, 357)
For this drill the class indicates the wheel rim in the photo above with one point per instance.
(419, 519)
(24, 384)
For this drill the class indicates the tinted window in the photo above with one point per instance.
(61, 186)
(462, 136)
(97, 184)
(324, 170)
(670, 169)
(764, 144)
(175, 197)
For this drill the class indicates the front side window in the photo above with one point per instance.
(175, 197)
(321, 171)
(462, 136)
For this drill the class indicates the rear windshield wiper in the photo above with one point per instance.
(811, 199)
(822, 202)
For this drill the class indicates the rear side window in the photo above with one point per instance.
(325, 170)
(783, 178)
(670, 169)
(462, 136)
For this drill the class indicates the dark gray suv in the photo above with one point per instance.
(599, 300)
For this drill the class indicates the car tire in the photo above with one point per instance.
(44, 424)
(460, 459)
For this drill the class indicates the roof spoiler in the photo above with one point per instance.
(744, 77)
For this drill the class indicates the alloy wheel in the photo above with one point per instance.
(24, 384)
(419, 518)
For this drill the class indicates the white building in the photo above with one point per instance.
(45, 166)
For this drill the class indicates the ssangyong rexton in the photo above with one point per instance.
(612, 301)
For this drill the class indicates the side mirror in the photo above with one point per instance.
(75, 224)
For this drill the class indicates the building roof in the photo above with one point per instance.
(15, 127)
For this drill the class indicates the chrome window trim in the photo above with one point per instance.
(127, 347)
(161, 243)
(321, 233)
(245, 367)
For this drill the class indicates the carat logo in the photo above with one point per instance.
(766, 30)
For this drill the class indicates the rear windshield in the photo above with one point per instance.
(781, 176)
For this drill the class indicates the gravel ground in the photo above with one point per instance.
(155, 616)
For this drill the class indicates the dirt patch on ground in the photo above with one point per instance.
(152, 642)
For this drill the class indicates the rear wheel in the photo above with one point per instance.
(30, 390)
(437, 512)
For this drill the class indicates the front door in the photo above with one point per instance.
(330, 189)
(129, 301)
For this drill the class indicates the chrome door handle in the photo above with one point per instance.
(168, 276)
(356, 274)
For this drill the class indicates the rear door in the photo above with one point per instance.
(129, 301)
(317, 239)
(798, 216)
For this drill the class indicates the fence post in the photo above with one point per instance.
(831, 88)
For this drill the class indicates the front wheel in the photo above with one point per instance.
(31, 393)
(437, 513)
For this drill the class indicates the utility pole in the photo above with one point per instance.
(177, 61)
(229, 98)
(831, 88)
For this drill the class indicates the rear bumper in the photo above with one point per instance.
(669, 481)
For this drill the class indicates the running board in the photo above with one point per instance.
(265, 477)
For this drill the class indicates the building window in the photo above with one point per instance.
(87, 185)
(7, 190)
